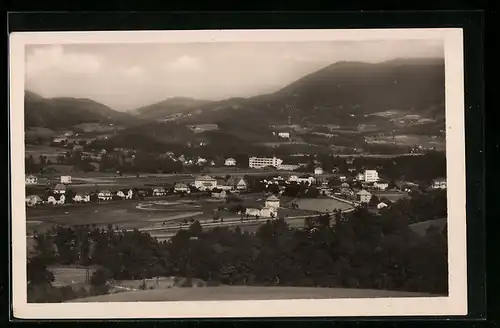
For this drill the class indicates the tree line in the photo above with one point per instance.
(360, 249)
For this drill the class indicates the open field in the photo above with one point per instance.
(408, 140)
(244, 293)
(322, 204)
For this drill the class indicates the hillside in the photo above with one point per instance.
(225, 293)
(344, 93)
(168, 107)
(57, 113)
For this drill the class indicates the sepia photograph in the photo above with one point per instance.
(238, 173)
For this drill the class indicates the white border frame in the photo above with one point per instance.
(454, 304)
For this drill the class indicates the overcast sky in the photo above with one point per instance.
(127, 76)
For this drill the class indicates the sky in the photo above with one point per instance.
(128, 76)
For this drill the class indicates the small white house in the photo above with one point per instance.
(342, 178)
(160, 191)
(439, 183)
(66, 179)
(272, 202)
(31, 180)
(81, 198)
(381, 205)
(360, 177)
(125, 194)
(230, 162)
(105, 195)
(33, 200)
(55, 200)
(181, 188)
(285, 135)
(318, 170)
(293, 178)
(363, 196)
(60, 189)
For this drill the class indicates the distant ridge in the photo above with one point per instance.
(63, 112)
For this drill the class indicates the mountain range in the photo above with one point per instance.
(344, 93)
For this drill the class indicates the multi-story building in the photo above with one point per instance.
(261, 162)
(370, 176)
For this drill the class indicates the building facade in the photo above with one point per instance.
(261, 162)
(65, 179)
(205, 183)
(230, 162)
(31, 180)
(439, 183)
(370, 175)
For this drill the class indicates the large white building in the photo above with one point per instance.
(261, 162)
(205, 182)
(65, 179)
(370, 175)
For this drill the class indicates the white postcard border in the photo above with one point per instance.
(454, 304)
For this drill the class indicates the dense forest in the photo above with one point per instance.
(360, 249)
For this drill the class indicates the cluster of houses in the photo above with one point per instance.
(59, 193)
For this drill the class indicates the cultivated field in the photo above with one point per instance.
(243, 293)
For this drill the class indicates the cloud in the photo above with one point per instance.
(55, 59)
(186, 63)
(133, 72)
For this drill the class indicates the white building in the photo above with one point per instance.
(81, 198)
(273, 202)
(230, 162)
(54, 200)
(306, 179)
(381, 185)
(363, 196)
(205, 182)
(439, 183)
(160, 191)
(31, 180)
(360, 177)
(181, 188)
(65, 179)
(270, 209)
(370, 175)
(105, 195)
(60, 189)
(288, 167)
(33, 200)
(381, 205)
(285, 135)
(201, 161)
(261, 162)
(318, 170)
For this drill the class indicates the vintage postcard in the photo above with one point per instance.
(238, 173)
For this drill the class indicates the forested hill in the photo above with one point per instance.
(65, 112)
